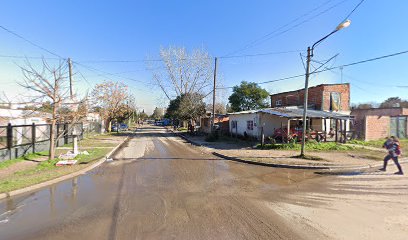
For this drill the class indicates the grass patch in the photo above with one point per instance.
(27, 157)
(379, 143)
(8, 163)
(47, 170)
(325, 146)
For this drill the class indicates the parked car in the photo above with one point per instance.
(119, 127)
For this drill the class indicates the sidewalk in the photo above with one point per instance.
(358, 159)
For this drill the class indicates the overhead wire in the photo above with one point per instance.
(328, 69)
(30, 42)
(278, 32)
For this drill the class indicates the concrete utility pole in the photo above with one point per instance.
(70, 77)
(309, 56)
(213, 106)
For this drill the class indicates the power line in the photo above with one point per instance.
(108, 73)
(278, 32)
(352, 11)
(30, 42)
(331, 68)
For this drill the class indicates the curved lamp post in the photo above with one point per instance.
(309, 56)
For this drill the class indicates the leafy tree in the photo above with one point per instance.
(157, 113)
(248, 96)
(186, 107)
(363, 106)
(393, 102)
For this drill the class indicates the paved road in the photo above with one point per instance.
(158, 187)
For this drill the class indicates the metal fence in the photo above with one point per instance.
(17, 140)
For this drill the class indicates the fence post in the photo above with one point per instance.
(33, 136)
(65, 133)
(9, 138)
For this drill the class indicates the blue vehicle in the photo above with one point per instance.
(119, 127)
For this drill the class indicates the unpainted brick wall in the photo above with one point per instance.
(377, 127)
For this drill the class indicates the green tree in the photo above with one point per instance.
(157, 113)
(394, 102)
(248, 96)
(186, 107)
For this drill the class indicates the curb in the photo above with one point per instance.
(329, 168)
(290, 166)
(65, 177)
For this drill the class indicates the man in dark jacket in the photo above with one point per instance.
(394, 150)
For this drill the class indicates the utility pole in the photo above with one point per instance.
(213, 106)
(309, 56)
(70, 77)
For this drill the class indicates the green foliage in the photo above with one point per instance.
(186, 107)
(394, 101)
(248, 96)
(8, 163)
(311, 146)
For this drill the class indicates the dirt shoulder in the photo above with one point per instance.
(352, 157)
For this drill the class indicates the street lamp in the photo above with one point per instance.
(309, 56)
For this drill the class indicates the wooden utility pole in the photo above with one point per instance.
(213, 106)
(70, 77)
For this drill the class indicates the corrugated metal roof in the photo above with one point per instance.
(295, 113)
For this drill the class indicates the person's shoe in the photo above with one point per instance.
(399, 173)
(382, 169)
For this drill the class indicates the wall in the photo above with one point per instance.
(318, 96)
(377, 127)
(242, 124)
(272, 122)
(366, 131)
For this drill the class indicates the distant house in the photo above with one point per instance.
(23, 117)
(253, 123)
(378, 123)
(221, 121)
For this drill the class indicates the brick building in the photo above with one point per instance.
(377, 123)
(324, 97)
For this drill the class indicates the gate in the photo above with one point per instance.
(398, 127)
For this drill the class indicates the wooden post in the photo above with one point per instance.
(345, 131)
(325, 129)
(336, 139)
(288, 128)
(33, 133)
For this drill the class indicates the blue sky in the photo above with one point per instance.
(133, 30)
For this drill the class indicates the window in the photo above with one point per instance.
(278, 103)
(250, 125)
(334, 101)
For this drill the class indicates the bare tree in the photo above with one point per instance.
(48, 84)
(112, 100)
(182, 72)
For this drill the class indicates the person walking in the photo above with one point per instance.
(394, 151)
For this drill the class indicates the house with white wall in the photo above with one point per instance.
(253, 123)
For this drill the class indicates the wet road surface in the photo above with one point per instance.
(158, 187)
